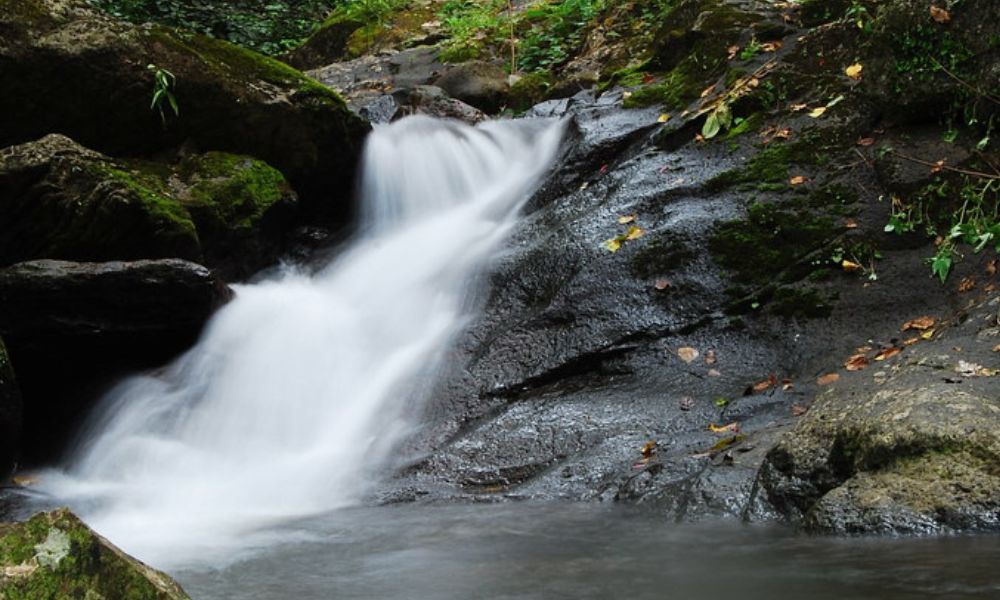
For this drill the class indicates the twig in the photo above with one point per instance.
(978, 91)
(945, 167)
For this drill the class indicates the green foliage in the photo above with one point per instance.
(372, 11)
(163, 83)
(552, 31)
(268, 26)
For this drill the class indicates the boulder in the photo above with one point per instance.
(10, 415)
(72, 328)
(63, 201)
(897, 460)
(72, 70)
(481, 84)
(54, 555)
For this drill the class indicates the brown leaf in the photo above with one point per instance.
(920, 323)
(760, 386)
(687, 354)
(649, 448)
(710, 357)
(866, 141)
(851, 223)
(827, 379)
(911, 341)
(856, 362)
(797, 180)
(849, 265)
(708, 90)
(991, 267)
(798, 107)
(854, 71)
(887, 353)
(939, 14)
(729, 428)
(662, 284)
(732, 51)
(786, 384)
(771, 46)
(798, 411)
(966, 285)
(937, 166)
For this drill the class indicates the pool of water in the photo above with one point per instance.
(555, 551)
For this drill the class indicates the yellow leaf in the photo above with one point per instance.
(817, 112)
(927, 334)
(687, 353)
(730, 428)
(614, 244)
(634, 233)
(663, 118)
(849, 265)
(854, 71)
(797, 107)
(626, 219)
(626, 95)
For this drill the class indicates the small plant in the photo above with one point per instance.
(751, 49)
(859, 15)
(163, 84)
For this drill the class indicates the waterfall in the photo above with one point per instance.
(302, 386)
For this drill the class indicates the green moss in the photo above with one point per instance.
(769, 244)
(529, 90)
(675, 91)
(154, 196)
(229, 191)
(748, 125)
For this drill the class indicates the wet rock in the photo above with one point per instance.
(433, 101)
(10, 415)
(230, 99)
(481, 84)
(55, 555)
(72, 327)
(895, 460)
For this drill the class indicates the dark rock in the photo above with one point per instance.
(10, 415)
(55, 555)
(60, 200)
(481, 84)
(328, 44)
(434, 102)
(72, 327)
(70, 70)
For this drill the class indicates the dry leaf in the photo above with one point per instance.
(626, 219)
(851, 223)
(966, 285)
(996, 348)
(732, 51)
(708, 90)
(760, 386)
(663, 118)
(911, 341)
(927, 334)
(687, 354)
(849, 265)
(784, 134)
(920, 323)
(730, 428)
(699, 138)
(939, 14)
(662, 284)
(991, 267)
(649, 448)
(937, 166)
(854, 71)
(786, 384)
(856, 362)
(973, 370)
(710, 358)
(887, 353)
(634, 233)
(798, 411)
(797, 180)
(828, 378)
(771, 46)
(817, 112)
(797, 107)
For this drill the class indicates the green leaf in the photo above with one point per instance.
(711, 127)
(941, 264)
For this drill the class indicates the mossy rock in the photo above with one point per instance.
(893, 460)
(328, 44)
(63, 201)
(55, 556)
(10, 415)
(68, 69)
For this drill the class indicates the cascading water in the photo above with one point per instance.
(303, 384)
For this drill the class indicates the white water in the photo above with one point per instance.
(302, 386)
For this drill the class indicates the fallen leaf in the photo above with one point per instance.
(854, 71)
(687, 354)
(714, 373)
(966, 285)
(920, 323)
(937, 166)
(732, 51)
(760, 386)
(939, 14)
(797, 180)
(686, 403)
(851, 223)
(828, 378)
(648, 78)
(663, 118)
(730, 428)
(887, 353)
(866, 141)
(927, 334)
(974, 370)
(662, 284)
(911, 341)
(991, 267)
(613, 245)
(817, 112)
(649, 448)
(626, 95)
(784, 134)
(771, 46)
(699, 138)
(849, 265)
(626, 219)
(634, 233)
(708, 90)
(798, 411)
(786, 384)
(710, 358)
(856, 362)
(798, 107)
